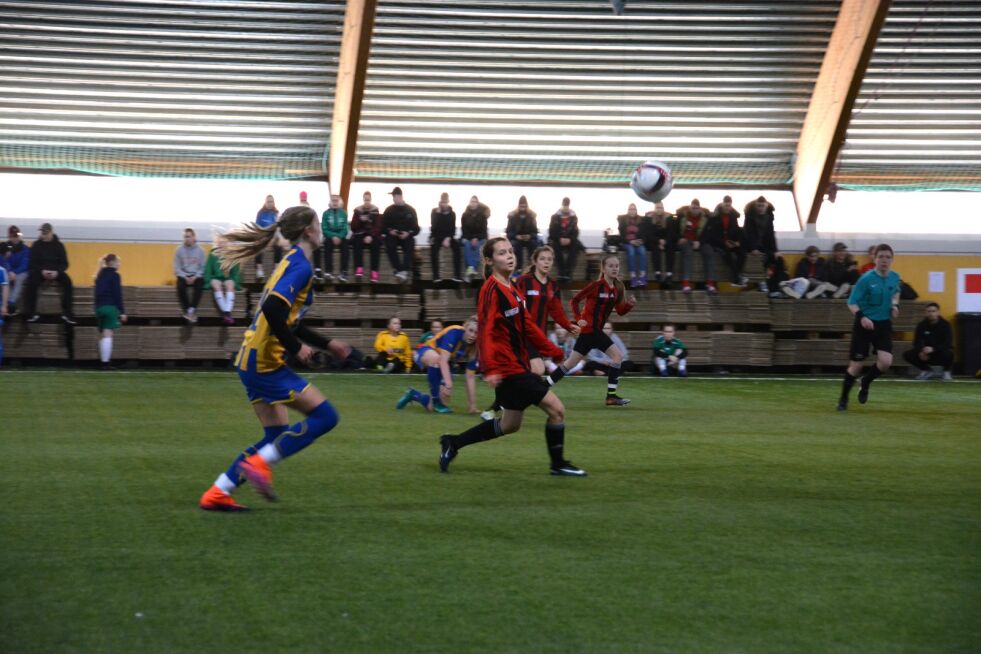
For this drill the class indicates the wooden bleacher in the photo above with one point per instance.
(741, 329)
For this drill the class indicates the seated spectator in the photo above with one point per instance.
(566, 342)
(761, 241)
(394, 350)
(473, 228)
(17, 263)
(400, 225)
(223, 284)
(870, 264)
(660, 230)
(48, 263)
(598, 362)
(632, 239)
(726, 237)
(4, 296)
(189, 262)
(810, 278)
(109, 311)
(435, 327)
(366, 231)
(842, 270)
(692, 220)
(563, 236)
(442, 234)
(522, 231)
(267, 216)
(334, 225)
(669, 354)
(933, 345)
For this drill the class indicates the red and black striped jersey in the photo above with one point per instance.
(542, 301)
(601, 300)
(505, 329)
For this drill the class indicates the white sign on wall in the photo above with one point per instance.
(968, 290)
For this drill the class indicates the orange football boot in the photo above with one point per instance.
(215, 499)
(259, 474)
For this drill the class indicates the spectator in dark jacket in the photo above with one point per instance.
(109, 310)
(692, 221)
(563, 236)
(522, 231)
(18, 266)
(810, 277)
(632, 229)
(761, 239)
(660, 230)
(842, 270)
(366, 231)
(933, 344)
(442, 234)
(401, 225)
(49, 261)
(726, 236)
(473, 228)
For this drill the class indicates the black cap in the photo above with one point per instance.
(46, 227)
(396, 191)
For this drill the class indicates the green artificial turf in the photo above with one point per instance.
(719, 515)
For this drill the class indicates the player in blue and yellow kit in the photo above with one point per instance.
(454, 344)
(874, 301)
(261, 362)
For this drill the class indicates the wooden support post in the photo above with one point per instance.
(837, 86)
(352, 68)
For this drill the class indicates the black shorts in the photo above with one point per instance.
(594, 341)
(519, 392)
(879, 338)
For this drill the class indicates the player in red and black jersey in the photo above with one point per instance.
(601, 298)
(506, 331)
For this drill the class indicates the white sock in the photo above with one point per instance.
(682, 365)
(229, 301)
(105, 349)
(270, 454)
(662, 364)
(220, 301)
(225, 484)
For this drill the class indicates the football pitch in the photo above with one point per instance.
(719, 515)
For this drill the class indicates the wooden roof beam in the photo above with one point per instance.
(352, 69)
(839, 81)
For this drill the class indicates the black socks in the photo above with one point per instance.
(485, 431)
(555, 440)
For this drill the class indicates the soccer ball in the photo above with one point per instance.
(652, 181)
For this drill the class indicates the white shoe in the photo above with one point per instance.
(763, 288)
(923, 376)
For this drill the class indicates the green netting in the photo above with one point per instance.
(309, 162)
(953, 177)
(561, 170)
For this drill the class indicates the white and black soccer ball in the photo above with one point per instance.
(652, 180)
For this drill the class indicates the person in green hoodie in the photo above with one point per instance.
(335, 227)
(223, 285)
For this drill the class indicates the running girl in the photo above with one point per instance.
(601, 298)
(453, 344)
(505, 331)
(261, 362)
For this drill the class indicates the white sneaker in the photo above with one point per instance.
(763, 288)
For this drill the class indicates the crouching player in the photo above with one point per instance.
(506, 330)
(453, 344)
(261, 362)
